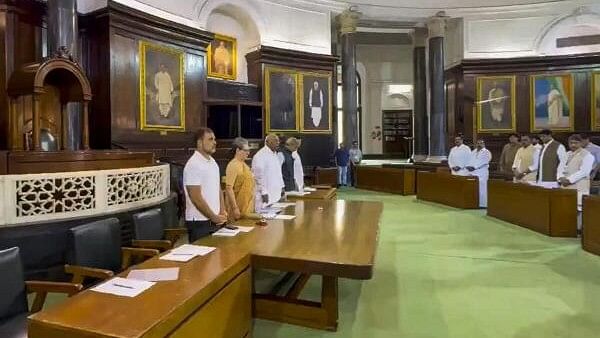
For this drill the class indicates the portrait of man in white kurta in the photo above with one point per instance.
(164, 90)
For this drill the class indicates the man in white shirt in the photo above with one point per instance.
(594, 149)
(526, 164)
(266, 168)
(459, 157)
(576, 173)
(204, 205)
(298, 169)
(479, 166)
(553, 158)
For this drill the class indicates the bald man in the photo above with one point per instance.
(267, 172)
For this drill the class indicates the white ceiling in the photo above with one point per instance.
(444, 4)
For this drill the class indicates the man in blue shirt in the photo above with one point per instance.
(342, 159)
(594, 150)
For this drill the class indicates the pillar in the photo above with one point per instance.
(421, 124)
(437, 101)
(348, 21)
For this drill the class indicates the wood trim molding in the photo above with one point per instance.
(285, 57)
(529, 64)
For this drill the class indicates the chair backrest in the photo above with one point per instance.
(96, 245)
(148, 225)
(13, 294)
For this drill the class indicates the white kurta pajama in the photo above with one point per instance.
(164, 91)
(480, 160)
(527, 158)
(459, 157)
(561, 152)
(577, 170)
(298, 171)
(269, 180)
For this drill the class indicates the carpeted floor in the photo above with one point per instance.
(441, 272)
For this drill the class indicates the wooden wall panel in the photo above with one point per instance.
(581, 66)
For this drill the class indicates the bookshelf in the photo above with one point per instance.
(397, 132)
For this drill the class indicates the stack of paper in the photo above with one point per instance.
(297, 193)
(186, 252)
(226, 232)
(282, 205)
(309, 189)
(154, 275)
(123, 287)
(271, 210)
(244, 229)
(285, 217)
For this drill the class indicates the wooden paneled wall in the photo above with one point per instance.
(110, 42)
(465, 76)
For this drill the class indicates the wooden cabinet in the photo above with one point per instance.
(397, 132)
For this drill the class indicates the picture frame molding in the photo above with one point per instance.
(532, 78)
(513, 104)
(211, 72)
(329, 77)
(267, 96)
(180, 54)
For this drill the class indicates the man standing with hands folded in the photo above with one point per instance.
(204, 205)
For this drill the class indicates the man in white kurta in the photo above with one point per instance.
(315, 102)
(576, 174)
(479, 166)
(526, 161)
(298, 171)
(552, 160)
(555, 106)
(459, 157)
(164, 90)
(267, 172)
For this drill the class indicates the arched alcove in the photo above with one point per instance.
(238, 21)
(580, 23)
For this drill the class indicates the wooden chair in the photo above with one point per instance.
(96, 252)
(150, 232)
(13, 294)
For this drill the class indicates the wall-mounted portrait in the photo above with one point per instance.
(316, 102)
(162, 92)
(496, 104)
(552, 102)
(281, 104)
(222, 57)
(596, 101)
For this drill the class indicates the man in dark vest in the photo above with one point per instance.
(553, 158)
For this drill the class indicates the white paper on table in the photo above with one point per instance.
(154, 275)
(296, 193)
(178, 257)
(548, 185)
(123, 287)
(269, 216)
(226, 232)
(283, 205)
(198, 250)
(244, 229)
(309, 189)
(285, 217)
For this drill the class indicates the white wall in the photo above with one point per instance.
(453, 42)
(530, 34)
(384, 66)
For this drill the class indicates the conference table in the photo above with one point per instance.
(590, 240)
(391, 180)
(552, 212)
(444, 188)
(213, 296)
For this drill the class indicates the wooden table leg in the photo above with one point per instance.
(289, 309)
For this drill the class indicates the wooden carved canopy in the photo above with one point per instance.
(39, 93)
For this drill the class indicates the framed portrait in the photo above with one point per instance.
(496, 104)
(162, 92)
(595, 101)
(315, 100)
(552, 104)
(222, 57)
(281, 103)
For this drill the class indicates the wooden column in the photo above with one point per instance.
(86, 130)
(35, 123)
(13, 125)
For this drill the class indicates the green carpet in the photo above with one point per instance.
(442, 272)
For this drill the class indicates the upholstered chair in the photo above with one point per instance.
(150, 232)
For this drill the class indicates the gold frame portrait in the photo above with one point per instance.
(267, 95)
(180, 55)
(532, 79)
(513, 103)
(212, 72)
(300, 94)
(595, 111)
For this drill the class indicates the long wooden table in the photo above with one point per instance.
(392, 180)
(552, 212)
(591, 224)
(213, 295)
(455, 191)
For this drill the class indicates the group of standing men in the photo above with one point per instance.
(274, 171)
(536, 159)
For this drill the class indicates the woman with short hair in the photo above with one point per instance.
(239, 182)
